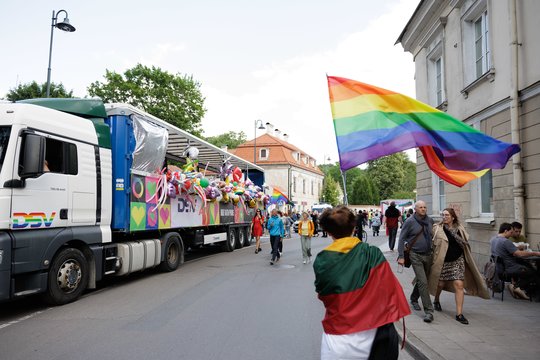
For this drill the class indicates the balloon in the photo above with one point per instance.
(204, 182)
(237, 174)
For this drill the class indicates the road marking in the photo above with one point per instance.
(2, 326)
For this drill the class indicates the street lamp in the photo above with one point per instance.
(261, 127)
(64, 26)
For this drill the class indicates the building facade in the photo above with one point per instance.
(478, 61)
(286, 167)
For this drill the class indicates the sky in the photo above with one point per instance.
(255, 59)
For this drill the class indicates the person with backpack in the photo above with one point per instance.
(376, 224)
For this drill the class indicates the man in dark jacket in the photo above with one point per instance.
(392, 218)
(417, 230)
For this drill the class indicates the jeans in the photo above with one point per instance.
(274, 241)
(421, 265)
(306, 246)
(392, 232)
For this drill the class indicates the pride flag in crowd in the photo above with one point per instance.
(278, 197)
(358, 287)
(372, 122)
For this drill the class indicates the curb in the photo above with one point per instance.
(418, 349)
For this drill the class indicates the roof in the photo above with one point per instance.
(281, 153)
(408, 23)
(179, 140)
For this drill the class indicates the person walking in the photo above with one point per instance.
(392, 218)
(276, 230)
(305, 230)
(416, 233)
(315, 219)
(376, 224)
(360, 293)
(453, 265)
(257, 228)
(287, 222)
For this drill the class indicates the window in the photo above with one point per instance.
(296, 155)
(481, 44)
(476, 45)
(4, 139)
(442, 195)
(61, 157)
(486, 193)
(436, 73)
(304, 186)
(294, 184)
(263, 154)
(312, 187)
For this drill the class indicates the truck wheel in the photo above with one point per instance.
(174, 253)
(231, 240)
(239, 238)
(247, 235)
(68, 277)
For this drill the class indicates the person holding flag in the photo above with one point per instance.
(361, 295)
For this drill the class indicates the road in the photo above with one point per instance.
(216, 306)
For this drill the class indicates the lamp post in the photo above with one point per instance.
(64, 26)
(261, 127)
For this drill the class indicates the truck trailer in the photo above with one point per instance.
(86, 191)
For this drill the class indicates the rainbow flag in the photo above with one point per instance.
(372, 122)
(278, 197)
(357, 287)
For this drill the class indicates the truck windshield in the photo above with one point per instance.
(4, 139)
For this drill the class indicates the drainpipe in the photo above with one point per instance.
(519, 191)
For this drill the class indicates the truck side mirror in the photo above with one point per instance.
(32, 156)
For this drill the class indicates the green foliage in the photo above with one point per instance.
(410, 178)
(176, 99)
(330, 191)
(403, 195)
(389, 173)
(393, 176)
(364, 191)
(33, 90)
(231, 139)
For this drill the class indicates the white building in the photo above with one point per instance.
(286, 167)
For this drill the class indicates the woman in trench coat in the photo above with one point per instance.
(453, 268)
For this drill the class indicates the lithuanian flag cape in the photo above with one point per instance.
(357, 287)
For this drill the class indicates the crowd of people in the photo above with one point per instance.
(438, 252)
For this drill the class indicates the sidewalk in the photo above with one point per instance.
(508, 329)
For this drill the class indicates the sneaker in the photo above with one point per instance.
(415, 305)
(521, 294)
(462, 319)
(429, 317)
(271, 262)
(304, 262)
(511, 288)
(437, 306)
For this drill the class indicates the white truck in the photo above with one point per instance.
(81, 197)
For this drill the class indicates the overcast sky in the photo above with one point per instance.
(255, 59)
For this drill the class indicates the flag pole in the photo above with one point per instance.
(344, 178)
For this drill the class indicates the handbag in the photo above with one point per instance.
(407, 250)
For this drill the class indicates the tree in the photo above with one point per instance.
(33, 90)
(364, 191)
(388, 173)
(231, 139)
(330, 191)
(176, 99)
(335, 172)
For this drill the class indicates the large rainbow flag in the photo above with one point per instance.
(371, 122)
(358, 288)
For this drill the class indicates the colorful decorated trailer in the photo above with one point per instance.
(89, 190)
